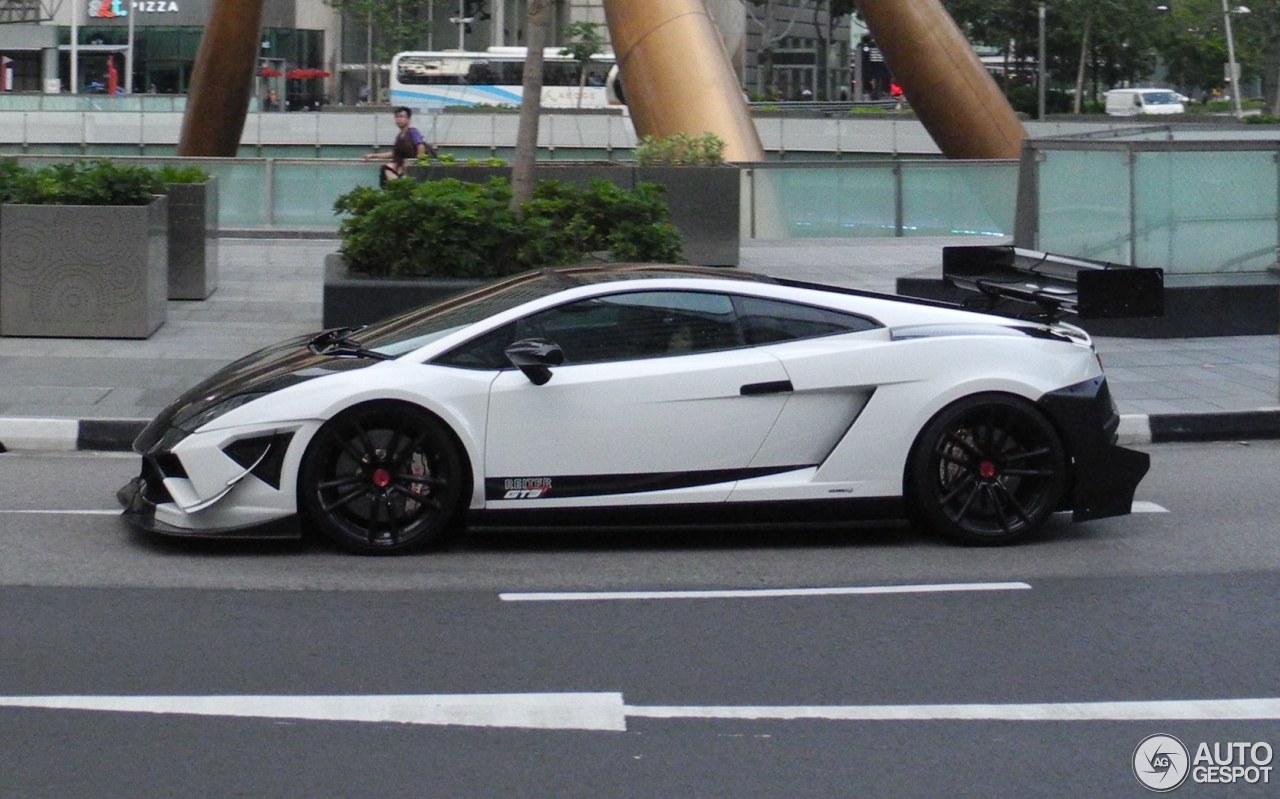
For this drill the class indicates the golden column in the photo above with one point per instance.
(950, 90)
(677, 76)
(222, 80)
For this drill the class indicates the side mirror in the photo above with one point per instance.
(534, 357)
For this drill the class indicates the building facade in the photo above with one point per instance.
(314, 55)
(159, 43)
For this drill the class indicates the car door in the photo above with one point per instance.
(657, 392)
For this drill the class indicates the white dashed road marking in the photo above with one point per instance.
(758, 593)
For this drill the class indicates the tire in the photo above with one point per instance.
(383, 479)
(987, 470)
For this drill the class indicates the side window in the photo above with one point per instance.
(618, 327)
(640, 324)
(767, 321)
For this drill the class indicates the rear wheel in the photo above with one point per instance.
(988, 469)
(382, 479)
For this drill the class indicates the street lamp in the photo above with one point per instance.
(1232, 67)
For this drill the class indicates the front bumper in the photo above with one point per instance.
(227, 484)
(1104, 475)
(137, 499)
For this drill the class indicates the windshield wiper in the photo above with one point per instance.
(337, 343)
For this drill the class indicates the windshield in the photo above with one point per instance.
(1159, 98)
(421, 326)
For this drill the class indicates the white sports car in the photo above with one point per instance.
(618, 393)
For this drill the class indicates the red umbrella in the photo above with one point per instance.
(305, 74)
(268, 72)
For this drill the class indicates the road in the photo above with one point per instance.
(757, 662)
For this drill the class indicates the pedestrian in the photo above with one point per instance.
(272, 103)
(899, 99)
(409, 144)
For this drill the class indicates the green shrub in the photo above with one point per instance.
(1261, 119)
(83, 183)
(449, 159)
(190, 174)
(10, 174)
(681, 150)
(447, 228)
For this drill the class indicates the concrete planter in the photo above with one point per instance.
(82, 271)
(353, 300)
(704, 201)
(193, 239)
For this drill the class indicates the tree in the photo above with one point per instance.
(538, 24)
(585, 41)
(392, 26)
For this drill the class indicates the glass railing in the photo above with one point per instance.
(1198, 202)
(780, 201)
(879, 199)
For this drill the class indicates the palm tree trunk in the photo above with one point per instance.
(537, 24)
(1084, 54)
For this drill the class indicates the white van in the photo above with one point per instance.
(1131, 102)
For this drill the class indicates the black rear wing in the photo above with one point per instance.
(1056, 284)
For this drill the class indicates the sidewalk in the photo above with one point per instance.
(64, 394)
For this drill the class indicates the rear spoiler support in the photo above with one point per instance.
(1055, 284)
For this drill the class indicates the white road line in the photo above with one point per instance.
(1147, 507)
(607, 712)
(569, 711)
(1165, 710)
(62, 512)
(758, 593)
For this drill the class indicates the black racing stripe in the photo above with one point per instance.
(560, 487)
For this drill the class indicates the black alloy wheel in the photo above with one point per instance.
(988, 469)
(382, 479)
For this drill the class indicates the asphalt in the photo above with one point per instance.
(95, 394)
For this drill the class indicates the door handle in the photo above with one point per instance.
(774, 387)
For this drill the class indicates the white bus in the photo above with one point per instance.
(426, 79)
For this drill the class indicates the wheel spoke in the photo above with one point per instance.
(964, 508)
(949, 456)
(344, 500)
(371, 530)
(340, 482)
(423, 480)
(393, 517)
(1027, 472)
(955, 440)
(1004, 491)
(345, 444)
(1022, 456)
(421, 499)
(1001, 517)
(398, 457)
(959, 485)
(365, 441)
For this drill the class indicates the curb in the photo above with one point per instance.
(117, 435)
(69, 435)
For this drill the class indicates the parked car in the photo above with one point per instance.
(636, 393)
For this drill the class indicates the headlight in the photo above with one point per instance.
(203, 417)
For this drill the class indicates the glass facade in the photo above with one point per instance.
(165, 56)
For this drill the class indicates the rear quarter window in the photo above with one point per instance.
(766, 321)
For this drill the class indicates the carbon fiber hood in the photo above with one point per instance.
(269, 369)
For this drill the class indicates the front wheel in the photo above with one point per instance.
(988, 469)
(382, 479)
